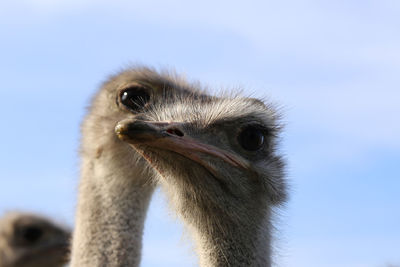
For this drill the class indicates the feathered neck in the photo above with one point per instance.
(111, 211)
(231, 244)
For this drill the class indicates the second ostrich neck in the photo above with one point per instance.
(111, 214)
(228, 233)
(232, 244)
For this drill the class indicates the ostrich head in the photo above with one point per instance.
(116, 182)
(127, 95)
(217, 161)
(27, 240)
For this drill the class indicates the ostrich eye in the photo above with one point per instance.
(31, 234)
(251, 138)
(134, 98)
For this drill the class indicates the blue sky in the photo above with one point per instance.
(333, 66)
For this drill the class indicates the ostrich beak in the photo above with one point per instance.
(168, 136)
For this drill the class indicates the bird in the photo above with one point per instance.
(32, 240)
(116, 183)
(219, 164)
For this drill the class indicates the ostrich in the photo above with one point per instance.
(218, 164)
(28, 240)
(116, 182)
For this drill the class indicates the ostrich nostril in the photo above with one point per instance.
(176, 132)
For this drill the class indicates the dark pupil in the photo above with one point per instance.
(251, 139)
(31, 234)
(134, 99)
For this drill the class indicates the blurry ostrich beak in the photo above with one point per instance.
(168, 136)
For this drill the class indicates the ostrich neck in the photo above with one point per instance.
(234, 246)
(111, 211)
(229, 226)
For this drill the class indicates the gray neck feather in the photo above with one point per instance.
(233, 245)
(111, 211)
(230, 234)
